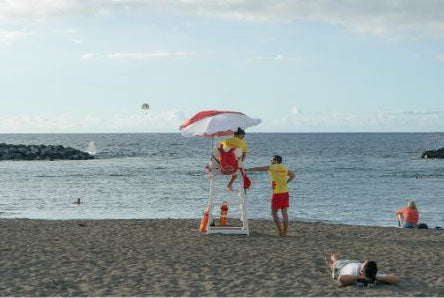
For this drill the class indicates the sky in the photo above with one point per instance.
(80, 66)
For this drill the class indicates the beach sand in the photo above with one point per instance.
(171, 258)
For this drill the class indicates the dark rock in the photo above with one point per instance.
(41, 152)
(439, 153)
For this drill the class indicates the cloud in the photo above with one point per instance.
(8, 38)
(140, 56)
(169, 121)
(407, 121)
(88, 56)
(166, 121)
(278, 59)
(295, 110)
(394, 19)
(40, 10)
(440, 58)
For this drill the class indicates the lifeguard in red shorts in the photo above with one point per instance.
(279, 177)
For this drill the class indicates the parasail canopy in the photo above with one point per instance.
(216, 123)
(145, 107)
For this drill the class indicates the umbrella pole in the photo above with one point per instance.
(211, 189)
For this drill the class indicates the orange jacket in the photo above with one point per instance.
(410, 215)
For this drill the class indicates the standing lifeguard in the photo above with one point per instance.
(237, 142)
(280, 199)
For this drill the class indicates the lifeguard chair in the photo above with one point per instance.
(221, 123)
(236, 199)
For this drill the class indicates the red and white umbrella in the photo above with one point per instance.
(216, 123)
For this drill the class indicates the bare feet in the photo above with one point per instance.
(284, 232)
(334, 256)
(329, 261)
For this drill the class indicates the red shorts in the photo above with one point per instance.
(280, 200)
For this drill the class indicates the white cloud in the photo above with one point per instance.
(140, 56)
(8, 38)
(278, 59)
(394, 19)
(166, 121)
(295, 111)
(88, 56)
(169, 121)
(402, 121)
(39, 10)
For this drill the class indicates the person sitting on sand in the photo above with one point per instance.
(237, 141)
(349, 272)
(408, 217)
(279, 176)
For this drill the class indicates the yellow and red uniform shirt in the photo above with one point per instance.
(278, 177)
(234, 142)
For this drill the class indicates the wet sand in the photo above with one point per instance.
(171, 258)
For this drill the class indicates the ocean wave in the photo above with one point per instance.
(120, 175)
(195, 173)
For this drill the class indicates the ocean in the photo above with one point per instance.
(351, 178)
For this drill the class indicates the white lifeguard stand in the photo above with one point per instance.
(215, 193)
(211, 123)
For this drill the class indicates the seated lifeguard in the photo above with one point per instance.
(230, 151)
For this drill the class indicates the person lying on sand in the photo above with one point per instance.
(349, 272)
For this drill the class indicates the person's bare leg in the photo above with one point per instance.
(334, 256)
(230, 184)
(284, 221)
(276, 220)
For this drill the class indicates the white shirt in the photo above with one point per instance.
(353, 269)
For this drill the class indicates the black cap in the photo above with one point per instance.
(278, 158)
(239, 131)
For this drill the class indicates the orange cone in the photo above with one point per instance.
(223, 218)
(204, 221)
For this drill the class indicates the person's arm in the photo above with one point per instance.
(398, 218)
(387, 278)
(244, 150)
(346, 280)
(258, 169)
(244, 155)
(291, 176)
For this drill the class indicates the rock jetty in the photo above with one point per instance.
(439, 153)
(41, 152)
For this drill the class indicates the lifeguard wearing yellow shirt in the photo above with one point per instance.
(237, 141)
(280, 199)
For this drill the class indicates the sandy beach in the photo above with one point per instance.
(171, 258)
